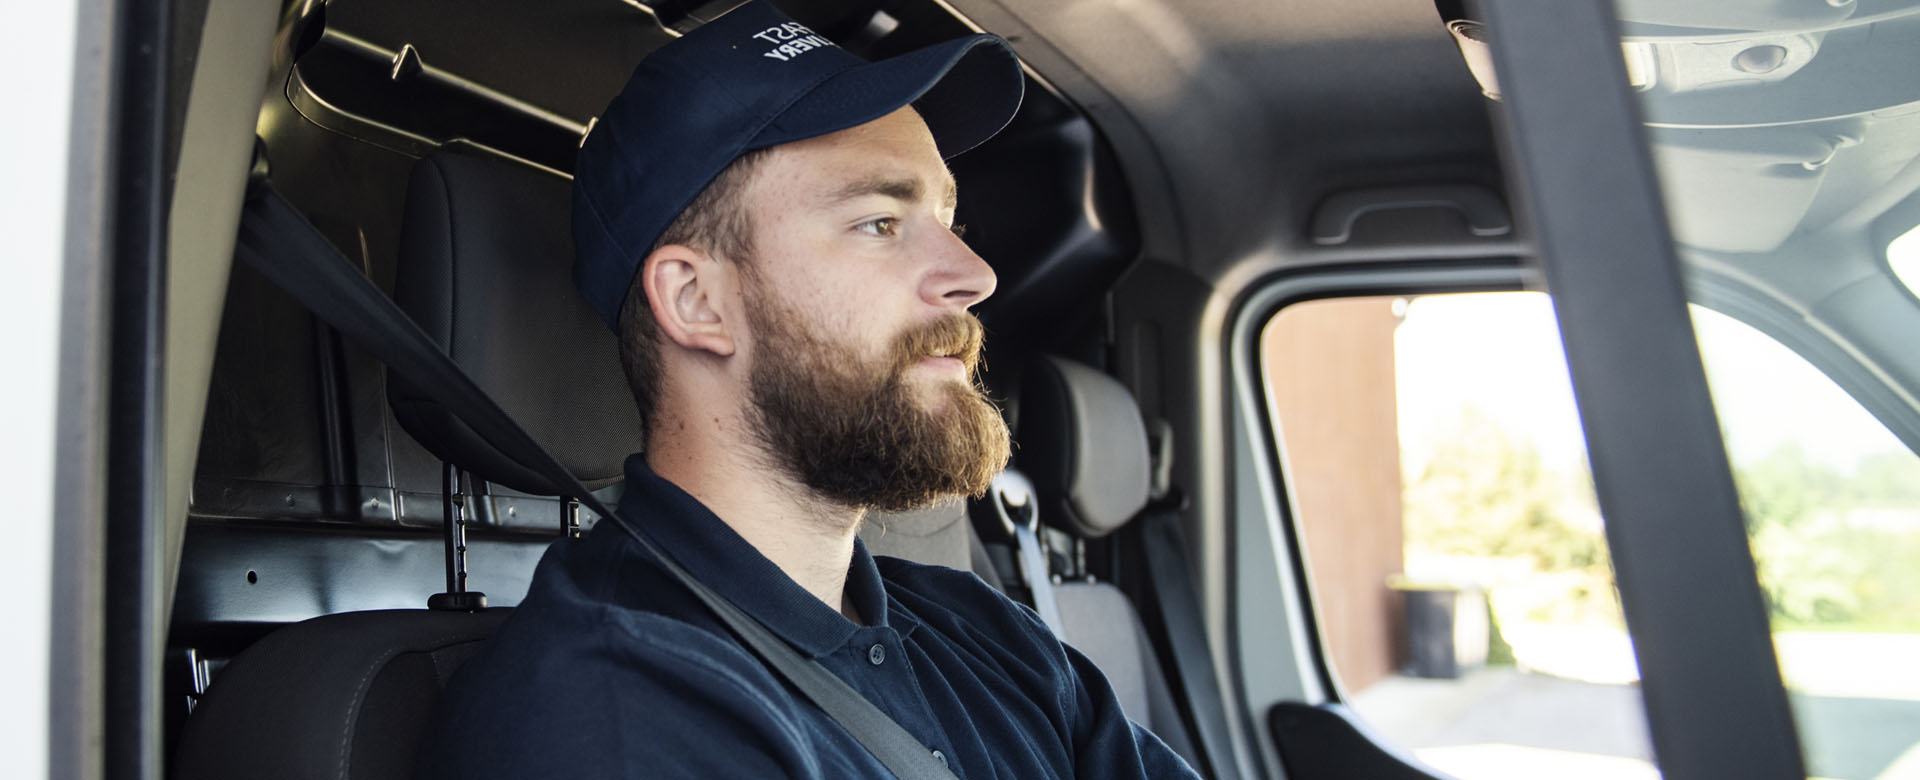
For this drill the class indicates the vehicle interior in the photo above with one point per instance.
(287, 503)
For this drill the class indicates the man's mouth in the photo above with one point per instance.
(961, 356)
(952, 344)
(945, 361)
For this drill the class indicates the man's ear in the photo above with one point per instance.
(688, 291)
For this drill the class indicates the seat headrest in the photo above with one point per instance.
(1083, 444)
(486, 253)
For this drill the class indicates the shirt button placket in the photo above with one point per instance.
(877, 654)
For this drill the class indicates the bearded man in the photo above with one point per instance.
(767, 223)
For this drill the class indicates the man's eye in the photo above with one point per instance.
(959, 230)
(884, 227)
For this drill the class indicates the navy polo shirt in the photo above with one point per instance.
(610, 669)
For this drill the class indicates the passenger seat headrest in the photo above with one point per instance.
(486, 254)
(1084, 445)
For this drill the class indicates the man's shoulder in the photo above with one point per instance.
(562, 623)
(590, 624)
(587, 606)
(595, 688)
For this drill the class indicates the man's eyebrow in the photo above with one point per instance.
(903, 188)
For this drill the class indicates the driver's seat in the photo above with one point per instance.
(339, 696)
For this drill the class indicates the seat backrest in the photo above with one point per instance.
(936, 535)
(1083, 444)
(485, 269)
(1098, 620)
(339, 696)
(941, 535)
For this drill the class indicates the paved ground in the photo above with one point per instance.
(1496, 724)
(1859, 738)
(1505, 707)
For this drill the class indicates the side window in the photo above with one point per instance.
(1437, 477)
(1832, 503)
(1903, 256)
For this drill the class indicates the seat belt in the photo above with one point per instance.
(1170, 581)
(276, 240)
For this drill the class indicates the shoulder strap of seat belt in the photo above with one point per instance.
(1177, 604)
(276, 240)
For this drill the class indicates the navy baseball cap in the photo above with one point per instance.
(752, 79)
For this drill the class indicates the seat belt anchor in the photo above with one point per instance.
(1018, 507)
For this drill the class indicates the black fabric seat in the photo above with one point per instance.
(340, 696)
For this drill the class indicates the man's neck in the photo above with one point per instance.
(809, 539)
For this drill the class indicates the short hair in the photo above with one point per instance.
(716, 222)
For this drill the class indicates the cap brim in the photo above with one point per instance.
(966, 90)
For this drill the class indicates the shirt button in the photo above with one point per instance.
(940, 757)
(877, 654)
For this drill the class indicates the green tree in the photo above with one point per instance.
(1483, 493)
(1785, 489)
(1886, 479)
(1817, 565)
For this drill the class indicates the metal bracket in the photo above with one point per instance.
(457, 597)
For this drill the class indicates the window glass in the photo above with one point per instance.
(1781, 139)
(1460, 577)
(1903, 255)
(1832, 502)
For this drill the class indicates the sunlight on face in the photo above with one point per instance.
(863, 359)
(853, 231)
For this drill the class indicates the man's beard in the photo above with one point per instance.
(854, 433)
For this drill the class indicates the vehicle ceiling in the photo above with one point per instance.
(1256, 109)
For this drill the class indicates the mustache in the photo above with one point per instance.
(959, 336)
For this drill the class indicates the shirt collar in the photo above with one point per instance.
(713, 553)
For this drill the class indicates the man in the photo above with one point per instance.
(767, 223)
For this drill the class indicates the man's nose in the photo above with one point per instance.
(959, 278)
